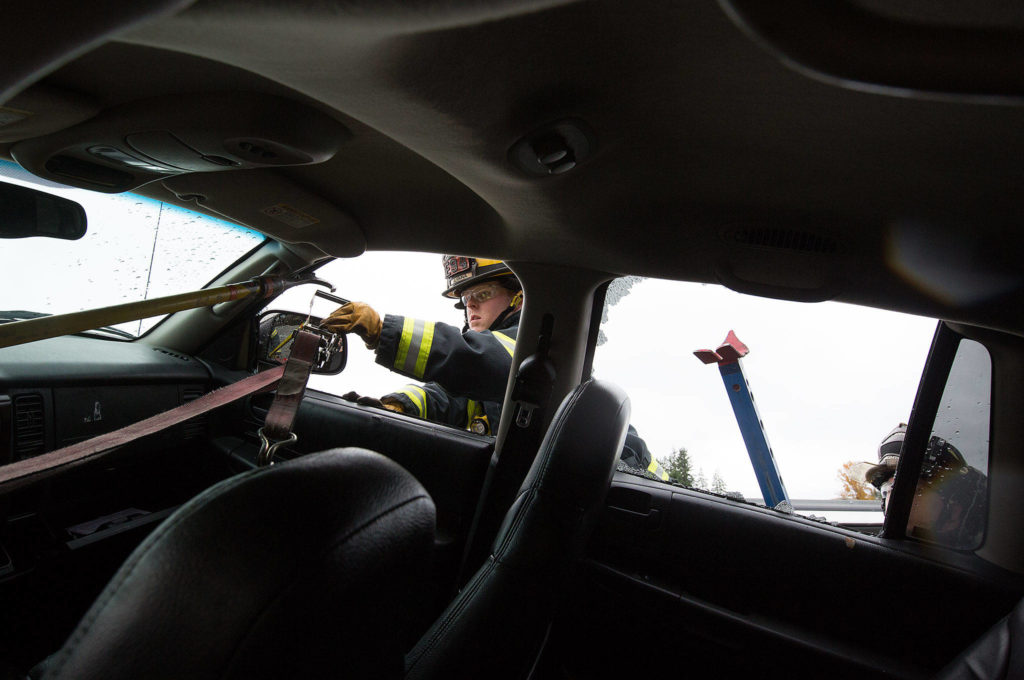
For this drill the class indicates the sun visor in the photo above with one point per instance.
(274, 205)
(945, 48)
(41, 110)
(782, 263)
(127, 146)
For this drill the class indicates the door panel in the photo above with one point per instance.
(721, 586)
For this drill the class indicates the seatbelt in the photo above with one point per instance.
(531, 392)
(277, 427)
(40, 467)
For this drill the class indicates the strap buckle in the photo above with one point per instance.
(267, 448)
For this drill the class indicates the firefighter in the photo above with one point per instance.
(465, 370)
(950, 504)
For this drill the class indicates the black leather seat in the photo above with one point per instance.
(299, 570)
(997, 655)
(496, 625)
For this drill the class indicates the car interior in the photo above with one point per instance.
(853, 151)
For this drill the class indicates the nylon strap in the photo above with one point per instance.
(30, 470)
(277, 428)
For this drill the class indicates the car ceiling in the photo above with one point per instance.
(867, 152)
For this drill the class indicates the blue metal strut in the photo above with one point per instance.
(727, 356)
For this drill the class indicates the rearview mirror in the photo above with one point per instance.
(277, 331)
(26, 212)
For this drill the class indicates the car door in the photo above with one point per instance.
(680, 581)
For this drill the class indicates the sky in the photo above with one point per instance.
(830, 380)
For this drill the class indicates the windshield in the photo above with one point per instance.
(136, 248)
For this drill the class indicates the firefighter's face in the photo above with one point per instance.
(481, 313)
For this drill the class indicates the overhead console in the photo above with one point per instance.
(126, 146)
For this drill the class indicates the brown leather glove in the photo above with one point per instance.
(356, 317)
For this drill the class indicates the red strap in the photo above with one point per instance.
(40, 467)
(277, 427)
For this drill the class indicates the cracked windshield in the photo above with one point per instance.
(125, 256)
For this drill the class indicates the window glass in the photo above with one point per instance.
(398, 283)
(950, 503)
(829, 380)
(135, 249)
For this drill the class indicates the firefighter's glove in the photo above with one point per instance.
(389, 404)
(356, 317)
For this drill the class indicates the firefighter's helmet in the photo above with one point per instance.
(939, 458)
(461, 272)
(888, 457)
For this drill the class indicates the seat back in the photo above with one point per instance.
(296, 570)
(496, 625)
(997, 655)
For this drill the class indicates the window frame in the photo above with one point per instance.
(945, 344)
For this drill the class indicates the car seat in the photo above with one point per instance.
(295, 570)
(496, 626)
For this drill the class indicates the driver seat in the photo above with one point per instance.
(290, 571)
(496, 626)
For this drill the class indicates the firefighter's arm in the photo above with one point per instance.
(428, 401)
(636, 454)
(472, 364)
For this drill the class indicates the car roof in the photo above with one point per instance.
(865, 152)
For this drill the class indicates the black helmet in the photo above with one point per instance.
(888, 457)
(938, 457)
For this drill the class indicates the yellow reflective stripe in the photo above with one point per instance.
(418, 397)
(425, 343)
(404, 342)
(508, 343)
(470, 412)
(656, 469)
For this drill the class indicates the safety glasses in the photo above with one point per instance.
(479, 294)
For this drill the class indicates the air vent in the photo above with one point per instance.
(176, 355)
(29, 426)
(783, 239)
(193, 427)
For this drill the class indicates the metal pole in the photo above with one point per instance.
(30, 330)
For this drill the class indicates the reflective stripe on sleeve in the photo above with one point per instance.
(508, 343)
(418, 397)
(656, 469)
(414, 347)
(425, 342)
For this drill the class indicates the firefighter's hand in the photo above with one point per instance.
(356, 317)
(390, 404)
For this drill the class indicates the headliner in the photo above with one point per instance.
(722, 153)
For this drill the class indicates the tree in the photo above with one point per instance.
(853, 486)
(700, 481)
(717, 483)
(679, 468)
